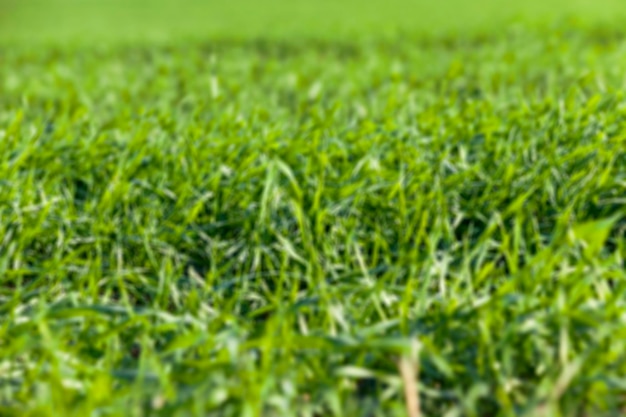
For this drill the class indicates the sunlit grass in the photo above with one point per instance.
(268, 227)
(97, 21)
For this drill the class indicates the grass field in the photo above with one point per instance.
(299, 209)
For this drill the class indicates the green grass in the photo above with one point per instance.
(95, 21)
(233, 223)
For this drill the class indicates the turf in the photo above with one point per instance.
(231, 224)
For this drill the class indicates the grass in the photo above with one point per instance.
(298, 225)
(97, 21)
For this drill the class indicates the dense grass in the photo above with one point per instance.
(267, 227)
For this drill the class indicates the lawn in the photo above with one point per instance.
(312, 209)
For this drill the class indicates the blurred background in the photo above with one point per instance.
(100, 20)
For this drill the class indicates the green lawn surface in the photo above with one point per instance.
(90, 21)
(312, 209)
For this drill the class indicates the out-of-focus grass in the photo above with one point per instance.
(106, 20)
(262, 214)
(261, 228)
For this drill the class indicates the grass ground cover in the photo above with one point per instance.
(96, 21)
(268, 226)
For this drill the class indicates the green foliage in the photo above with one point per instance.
(260, 228)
